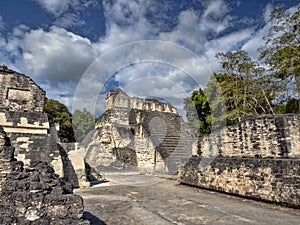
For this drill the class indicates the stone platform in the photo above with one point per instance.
(142, 200)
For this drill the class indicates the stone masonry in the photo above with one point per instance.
(35, 196)
(258, 158)
(144, 135)
(22, 117)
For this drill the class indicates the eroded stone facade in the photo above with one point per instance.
(22, 117)
(118, 99)
(146, 135)
(18, 92)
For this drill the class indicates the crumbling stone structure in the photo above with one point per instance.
(146, 135)
(35, 196)
(258, 158)
(23, 119)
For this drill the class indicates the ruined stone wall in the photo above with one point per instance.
(119, 145)
(274, 180)
(259, 158)
(23, 119)
(118, 99)
(267, 136)
(35, 196)
(19, 93)
(29, 134)
(24, 122)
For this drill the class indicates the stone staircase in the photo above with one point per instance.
(172, 139)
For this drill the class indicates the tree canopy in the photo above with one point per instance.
(198, 112)
(282, 47)
(83, 123)
(59, 113)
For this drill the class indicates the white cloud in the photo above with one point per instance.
(188, 32)
(55, 7)
(192, 29)
(267, 13)
(224, 44)
(126, 22)
(256, 39)
(63, 92)
(68, 20)
(215, 17)
(58, 55)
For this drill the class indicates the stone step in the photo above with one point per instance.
(174, 146)
(174, 155)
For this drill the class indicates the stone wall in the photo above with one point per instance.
(6, 156)
(119, 99)
(22, 117)
(18, 92)
(24, 122)
(267, 136)
(27, 126)
(258, 158)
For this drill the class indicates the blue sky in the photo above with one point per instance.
(56, 41)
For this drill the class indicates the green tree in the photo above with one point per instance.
(83, 123)
(217, 105)
(5, 67)
(198, 112)
(248, 91)
(291, 106)
(282, 48)
(59, 113)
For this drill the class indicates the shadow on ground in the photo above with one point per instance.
(93, 219)
(93, 183)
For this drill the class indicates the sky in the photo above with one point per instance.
(77, 50)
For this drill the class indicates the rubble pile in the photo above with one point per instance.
(36, 196)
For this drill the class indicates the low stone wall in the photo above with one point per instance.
(274, 180)
(259, 158)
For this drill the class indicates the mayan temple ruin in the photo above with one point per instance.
(31, 191)
(23, 119)
(27, 126)
(144, 135)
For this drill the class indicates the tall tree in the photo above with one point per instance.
(59, 113)
(282, 48)
(247, 89)
(198, 112)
